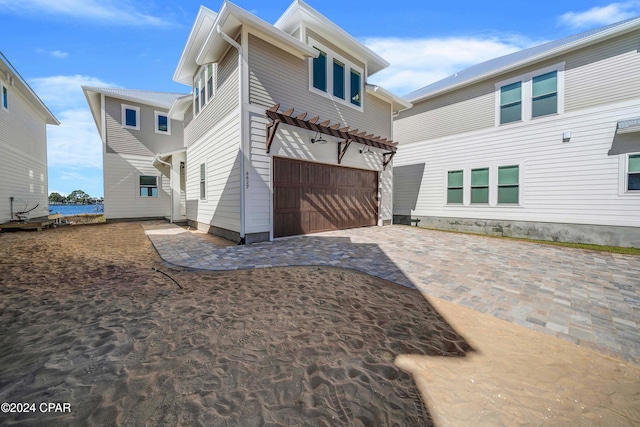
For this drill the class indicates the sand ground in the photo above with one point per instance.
(85, 320)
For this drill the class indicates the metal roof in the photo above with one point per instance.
(628, 126)
(521, 58)
(157, 99)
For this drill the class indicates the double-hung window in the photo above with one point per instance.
(163, 123)
(480, 185)
(508, 185)
(5, 97)
(203, 87)
(536, 94)
(148, 186)
(455, 180)
(130, 117)
(203, 182)
(633, 173)
(335, 77)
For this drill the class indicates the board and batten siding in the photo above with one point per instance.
(226, 100)
(276, 76)
(143, 142)
(23, 157)
(595, 75)
(219, 150)
(122, 188)
(575, 182)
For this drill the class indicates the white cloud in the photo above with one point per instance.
(75, 143)
(416, 63)
(598, 16)
(55, 53)
(119, 12)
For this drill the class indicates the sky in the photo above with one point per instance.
(59, 45)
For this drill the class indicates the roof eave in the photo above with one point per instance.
(587, 41)
(180, 107)
(91, 95)
(130, 98)
(398, 104)
(183, 73)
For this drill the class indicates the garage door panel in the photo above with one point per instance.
(312, 197)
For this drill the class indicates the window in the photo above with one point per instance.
(163, 123)
(633, 172)
(5, 97)
(203, 87)
(148, 186)
(328, 77)
(536, 94)
(203, 182)
(511, 103)
(544, 96)
(130, 117)
(480, 185)
(508, 184)
(454, 186)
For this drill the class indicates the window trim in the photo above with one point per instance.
(625, 188)
(527, 94)
(203, 182)
(124, 108)
(448, 203)
(487, 187)
(331, 56)
(203, 94)
(157, 186)
(519, 202)
(156, 125)
(4, 97)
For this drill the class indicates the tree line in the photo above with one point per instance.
(77, 197)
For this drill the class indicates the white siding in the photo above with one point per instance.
(565, 182)
(122, 188)
(23, 158)
(219, 149)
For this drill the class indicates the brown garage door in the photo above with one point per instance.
(312, 197)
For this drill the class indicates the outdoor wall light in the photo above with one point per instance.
(566, 136)
(316, 140)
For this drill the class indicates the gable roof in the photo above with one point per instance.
(199, 32)
(300, 12)
(522, 58)
(12, 78)
(164, 100)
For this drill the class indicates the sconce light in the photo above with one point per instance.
(566, 136)
(366, 150)
(316, 140)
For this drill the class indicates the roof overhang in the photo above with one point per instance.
(10, 76)
(601, 36)
(300, 13)
(160, 158)
(229, 21)
(397, 103)
(180, 107)
(628, 126)
(201, 28)
(94, 99)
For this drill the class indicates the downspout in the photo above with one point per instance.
(11, 199)
(170, 185)
(238, 47)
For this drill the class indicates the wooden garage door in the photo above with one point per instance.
(312, 197)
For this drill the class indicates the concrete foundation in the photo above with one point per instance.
(609, 235)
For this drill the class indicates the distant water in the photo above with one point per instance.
(66, 210)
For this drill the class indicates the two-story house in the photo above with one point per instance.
(282, 133)
(23, 147)
(543, 143)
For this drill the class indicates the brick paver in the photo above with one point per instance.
(587, 297)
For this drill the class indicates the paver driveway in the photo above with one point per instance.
(587, 297)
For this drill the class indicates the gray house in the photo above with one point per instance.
(542, 143)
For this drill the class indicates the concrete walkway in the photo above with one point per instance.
(586, 297)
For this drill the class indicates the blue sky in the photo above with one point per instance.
(59, 45)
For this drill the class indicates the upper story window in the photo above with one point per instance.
(336, 78)
(163, 123)
(130, 117)
(526, 97)
(633, 172)
(5, 98)
(203, 87)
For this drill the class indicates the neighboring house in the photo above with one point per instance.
(542, 143)
(135, 129)
(254, 169)
(23, 147)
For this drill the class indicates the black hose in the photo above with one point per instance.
(162, 272)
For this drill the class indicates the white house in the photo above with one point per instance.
(134, 126)
(282, 133)
(23, 147)
(542, 143)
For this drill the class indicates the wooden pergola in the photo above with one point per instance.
(346, 135)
